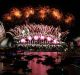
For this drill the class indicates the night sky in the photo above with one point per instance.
(67, 6)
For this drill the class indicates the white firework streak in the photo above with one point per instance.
(39, 28)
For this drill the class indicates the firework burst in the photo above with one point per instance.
(33, 29)
(7, 17)
(43, 12)
(40, 13)
(56, 14)
(69, 19)
(16, 13)
(27, 12)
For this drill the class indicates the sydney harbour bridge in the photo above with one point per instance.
(35, 37)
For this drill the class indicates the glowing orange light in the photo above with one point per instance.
(7, 17)
(31, 11)
(43, 12)
(69, 19)
(28, 12)
(16, 12)
(56, 14)
(42, 16)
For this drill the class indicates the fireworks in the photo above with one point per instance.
(40, 12)
(56, 14)
(33, 29)
(7, 17)
(38, 31)
(28, 12)
(37, 36)
(43, 12)
(69, 19)
(16, 13)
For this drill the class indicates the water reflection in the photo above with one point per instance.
(40, 62)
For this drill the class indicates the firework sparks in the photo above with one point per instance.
(39, 35)
(28, 12)
(56, 14)
(16, 12)
(69, 19)
(31, 11)
(7, 17)
(43, 12)
(41, 29)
